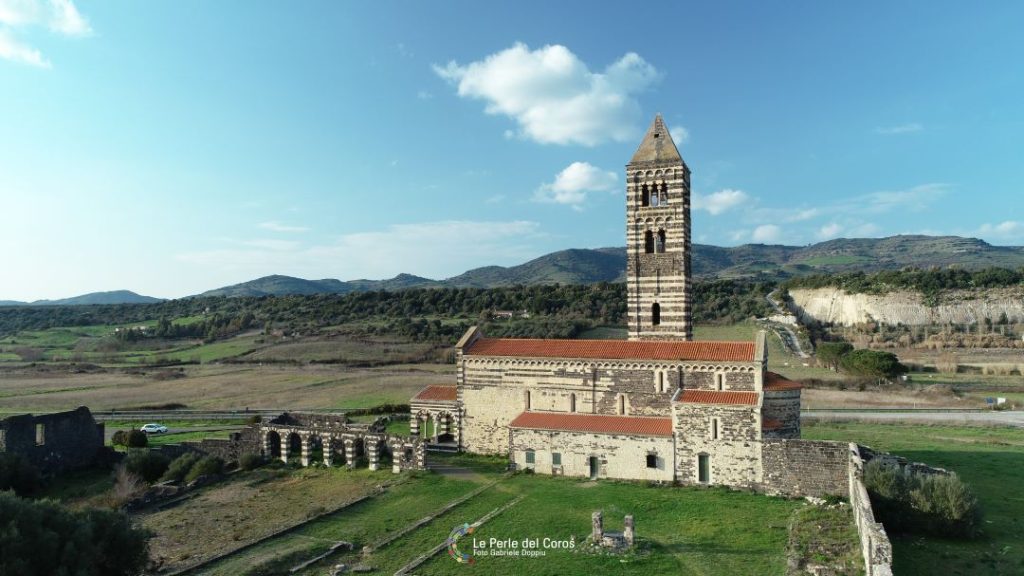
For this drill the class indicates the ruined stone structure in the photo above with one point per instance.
(658, 239)
(56, 442)
(332, 437)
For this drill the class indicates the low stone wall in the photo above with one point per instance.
(874, 542)
(805, 467)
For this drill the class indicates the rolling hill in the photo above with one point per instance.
(112, 297)
(583, 266)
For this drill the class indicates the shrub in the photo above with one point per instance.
(254, 419)
(179, 467)
(136, 439)
(18, 474)
(120, 438)
(43, 538)
(907, 501)
(250, 461)
(149, 466)
(207, 466)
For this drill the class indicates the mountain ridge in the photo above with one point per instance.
(591, 265)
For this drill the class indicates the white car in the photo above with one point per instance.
(154, 429)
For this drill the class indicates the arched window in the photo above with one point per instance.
(655, 314)
(527, 398)
(648, 242)
(655, 199)
(660, 244)
(572, 402)
(645, 195)
(664, 193)
(622, 404)
(661, 381)
(719, 381)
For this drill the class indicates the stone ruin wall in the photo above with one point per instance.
(55, 442)
(874, 542)
(805, 467)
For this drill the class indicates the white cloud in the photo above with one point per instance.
(718, 202)
(680, 135)
(829, 231)
(60, 16)
(917, 198)
(572, 185)
(67, 20)
(552, 94)
(431, 249)
(424, 95)
(276, 226)
(767, 233)
(11, 49)
(865, 230)
(1008, 230)
(900, 129)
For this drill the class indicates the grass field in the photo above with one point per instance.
(681, 530)
(989, 459)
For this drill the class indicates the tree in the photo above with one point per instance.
(831, 353)
(41, 538)
(872, 364)
(149, 466)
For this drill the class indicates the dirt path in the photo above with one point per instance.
(789, 338)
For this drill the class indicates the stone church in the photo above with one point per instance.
(658, 406)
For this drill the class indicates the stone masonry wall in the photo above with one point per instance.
(805, 467)
(619, 456)
(874, 542)
(734, 456)
(54, 442)
(783, 406)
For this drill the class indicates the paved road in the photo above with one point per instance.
(1014, 418)
(109, 431)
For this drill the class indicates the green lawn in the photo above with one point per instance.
(991, 460)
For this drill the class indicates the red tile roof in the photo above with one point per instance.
(775, 382)
(598, 423)
(614, 349)
(770, 424)
(718, 397)
(438, 393)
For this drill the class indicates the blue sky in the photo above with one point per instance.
(174, 147)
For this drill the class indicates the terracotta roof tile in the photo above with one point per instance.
(775, 382)
(438, 393)
(614, 349)
(718, 397)
(599, 423)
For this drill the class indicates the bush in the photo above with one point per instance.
(907, 501)
(207, 466)
(42, 538)
(18, 474)
(179, 467)
(136, 439)
(120, 438)
(250, 461)
(149, 466)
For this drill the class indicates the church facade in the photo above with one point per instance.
(658, 406)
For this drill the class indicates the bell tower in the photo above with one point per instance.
(658, 239)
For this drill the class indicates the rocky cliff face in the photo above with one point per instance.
(959, 307)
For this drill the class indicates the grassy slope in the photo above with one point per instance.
(990, 459)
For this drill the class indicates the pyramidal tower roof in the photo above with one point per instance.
(657, 145)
